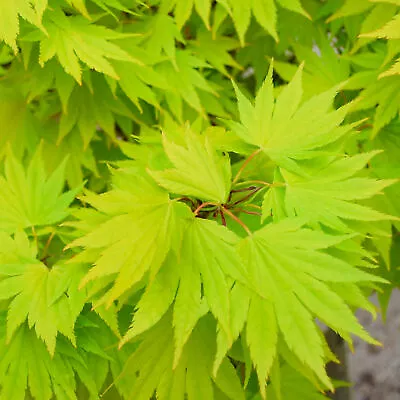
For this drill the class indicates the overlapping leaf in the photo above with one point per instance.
(290, 277)
(30, 10)
(38, 294)
(197, 159)
(74, 39)
(136, 237)
(150, 366)
(47, 377)
(286, 130)
(329, 195)
(28, 197)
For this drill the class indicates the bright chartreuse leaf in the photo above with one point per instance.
(47, 377)
(384, 95)
(30, 10)
(286, 130)
(73, 39)
(198, 170)
(390, 31)
(208, 254)
(39, 294)
(287, 269)
(329, 195)
(29, 197)
(262, 337)
(151, 366)
(140, 218)
(203, 274)
(157, 299)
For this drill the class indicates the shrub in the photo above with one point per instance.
(188, 189)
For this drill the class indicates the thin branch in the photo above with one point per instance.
(238, 220)
(246, 197)
(239, 191)
(47, 245)
(187, 199)
(247, 212)
(252, 155)
(223, 220)
(201, 206)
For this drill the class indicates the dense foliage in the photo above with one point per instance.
(190, 190)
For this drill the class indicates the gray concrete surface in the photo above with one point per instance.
(375, 371)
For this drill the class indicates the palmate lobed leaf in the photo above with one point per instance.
(30, 10)
(204, 273)
(37, 294)
(72, 39)
(328, 194)
(135, 237)
(199, 171)
(287, 130)
(151, 366)
(290, 282)
(29, 198)
(26, 366)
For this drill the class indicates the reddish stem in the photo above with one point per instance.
(247, 196)
(238, 220)
(223, 220)
(247, 212)
(252, 155)
(201, 206)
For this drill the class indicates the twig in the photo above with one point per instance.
(246, 197)
(238, 220)
(247, 212)
(252, 155)
(201, 206)
(47, 245)
(223, 220)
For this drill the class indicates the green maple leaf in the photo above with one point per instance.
(87, 115)
(215, 50)
(323, 67)
(390, 31)
(48, 377)
(198, 158)
(73, 38)
(286, 130)
(29, 198)
(30, 10)
(21, 130)
(329, 193)
(140, 220)
(265, 12)
(37, 294)
(183, 10)
(290, 275)
(187, 82)
(160, 35)
(150, 366)
(201, 266)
